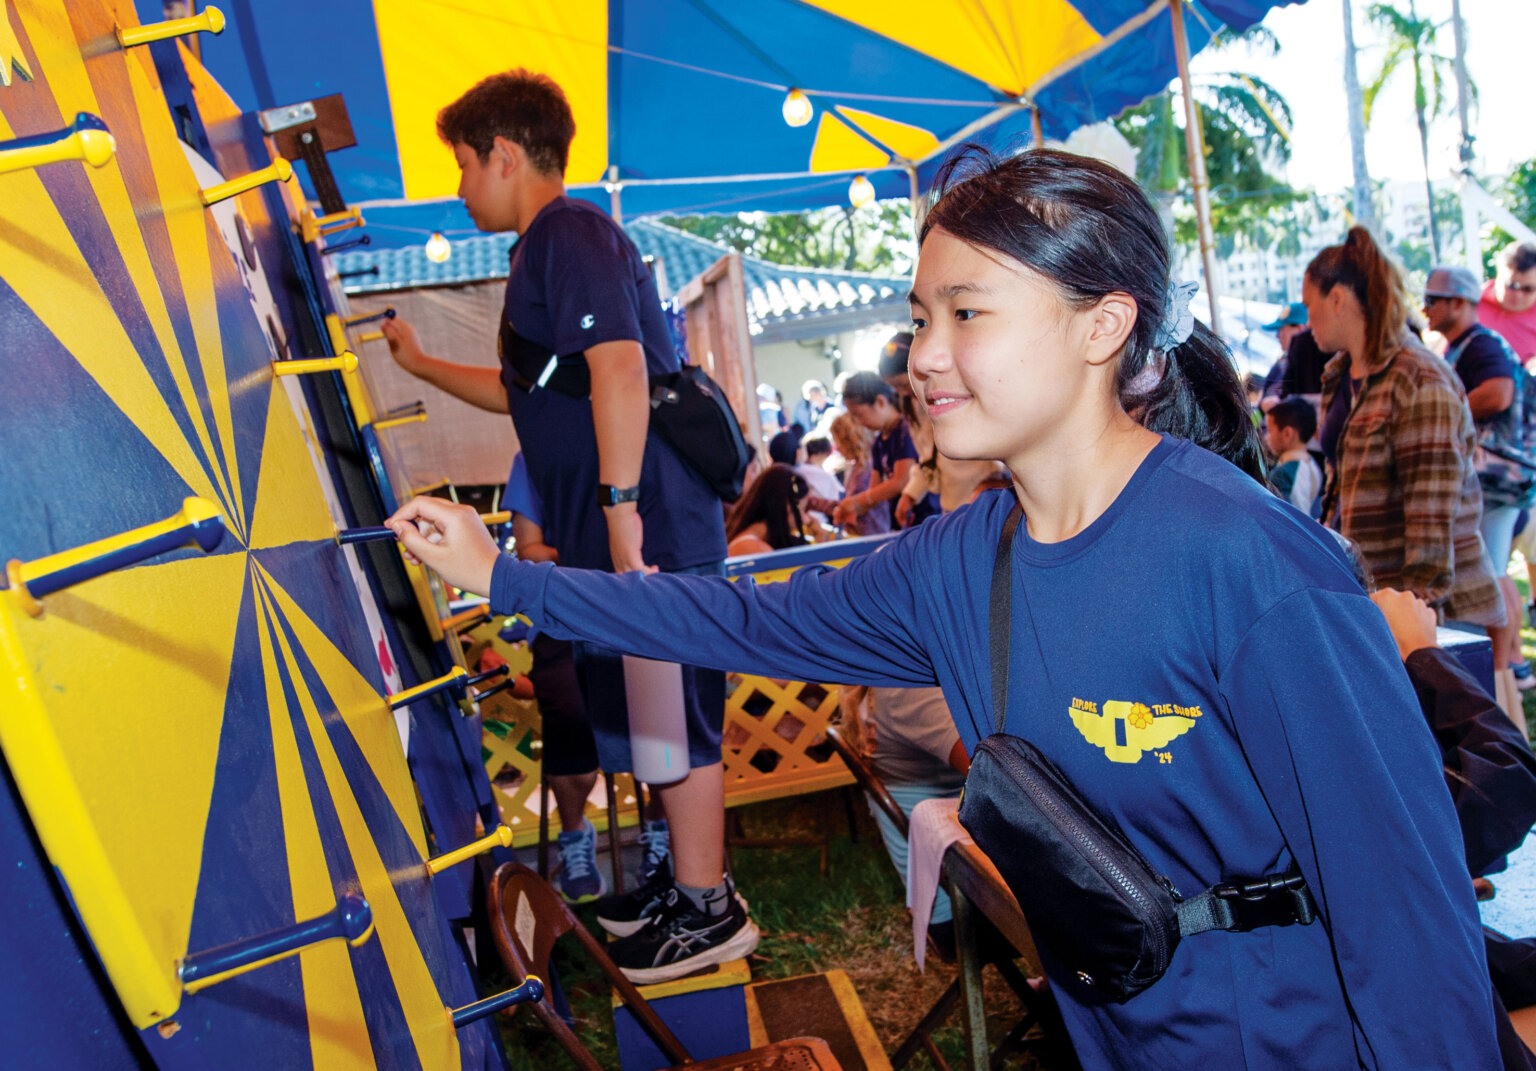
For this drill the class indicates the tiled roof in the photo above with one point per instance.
(783, 303)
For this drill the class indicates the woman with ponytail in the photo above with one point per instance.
(1191, 653)
(1400, 439)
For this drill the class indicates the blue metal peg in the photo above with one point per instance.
(490, 674)
(351, 919)
(342, 247)
(530, 992)
(198, 523)
(387, 314)
(408, 411)
(364, 535)
(359, 273)
(496, 689)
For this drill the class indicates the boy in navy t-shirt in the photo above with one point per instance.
(872, 402)
(581, 333)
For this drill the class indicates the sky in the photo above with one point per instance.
(1309, 73)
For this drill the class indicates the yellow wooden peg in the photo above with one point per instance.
(491, 520)
(473, 616)
(87, 139)
(501, 836)
(455, 676)
(208, 20)
(347, 362)
(198, 522)
(312, 226)
(280, 171)
(418, 417)
(371, 336)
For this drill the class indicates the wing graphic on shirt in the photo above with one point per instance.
(1125, 730)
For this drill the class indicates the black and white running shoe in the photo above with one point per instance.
(681, 939)
(624, 913)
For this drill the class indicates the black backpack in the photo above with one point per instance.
(690, 411)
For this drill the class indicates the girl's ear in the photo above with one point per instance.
(1110, 323)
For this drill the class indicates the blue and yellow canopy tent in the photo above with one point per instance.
(684, 105)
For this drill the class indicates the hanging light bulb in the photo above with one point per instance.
(797, 108)
(860, 192)
(438, 249)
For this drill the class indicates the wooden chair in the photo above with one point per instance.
(528, 917)
(920, 1037)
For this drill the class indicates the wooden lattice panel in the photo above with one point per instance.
(775, 739)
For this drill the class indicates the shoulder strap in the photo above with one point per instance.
(1454, 353)
(1002, 615)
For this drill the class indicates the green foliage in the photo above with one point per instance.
(1244, 122)
(875, 238)
(1518, 193)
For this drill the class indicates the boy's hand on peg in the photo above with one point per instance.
(403, 345)
(450, 539)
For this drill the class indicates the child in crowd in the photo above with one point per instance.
(1044, 316)
(1288, 427)
(853, 440)
(872, 402)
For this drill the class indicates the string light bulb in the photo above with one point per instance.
(860, 192)
(438, 249)
(797, 108)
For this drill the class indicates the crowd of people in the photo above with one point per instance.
(1096, 557)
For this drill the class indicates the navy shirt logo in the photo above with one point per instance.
(587, 321)
(1125, 730)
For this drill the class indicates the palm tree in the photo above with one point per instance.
(1365, 211)
(1244, 124)
(1410, 44)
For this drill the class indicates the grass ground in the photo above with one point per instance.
(853, 920)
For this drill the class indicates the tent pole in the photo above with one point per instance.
(615, 205)
(917, 198)
(1035, 127)
(1194, 145)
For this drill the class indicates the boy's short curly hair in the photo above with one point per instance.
(519, 105)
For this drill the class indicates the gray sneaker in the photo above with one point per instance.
(579, 880)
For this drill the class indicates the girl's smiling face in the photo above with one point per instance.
(1003, 363)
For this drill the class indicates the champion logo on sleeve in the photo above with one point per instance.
(587, 321)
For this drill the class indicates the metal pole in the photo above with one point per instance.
(1195, 146)
(917, 199)
(1035, 126)
(615, 207)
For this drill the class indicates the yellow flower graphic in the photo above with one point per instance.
(1140, 716)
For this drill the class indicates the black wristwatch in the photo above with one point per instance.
(613, 496)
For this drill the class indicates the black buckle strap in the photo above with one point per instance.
(1240, 906)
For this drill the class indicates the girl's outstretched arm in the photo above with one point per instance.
(856, 624)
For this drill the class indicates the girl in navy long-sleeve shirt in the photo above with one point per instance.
(1193, 653)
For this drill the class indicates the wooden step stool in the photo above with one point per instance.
(819, 1005)
(707, 1011)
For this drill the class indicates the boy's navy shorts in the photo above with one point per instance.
(601, 672)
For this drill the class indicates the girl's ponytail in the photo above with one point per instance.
(1198, 396)
(1376, 282)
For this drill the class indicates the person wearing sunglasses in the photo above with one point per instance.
(1489, 371)
(1508, 304)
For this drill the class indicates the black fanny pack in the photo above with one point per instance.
(1091, 900)
(689, 410)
